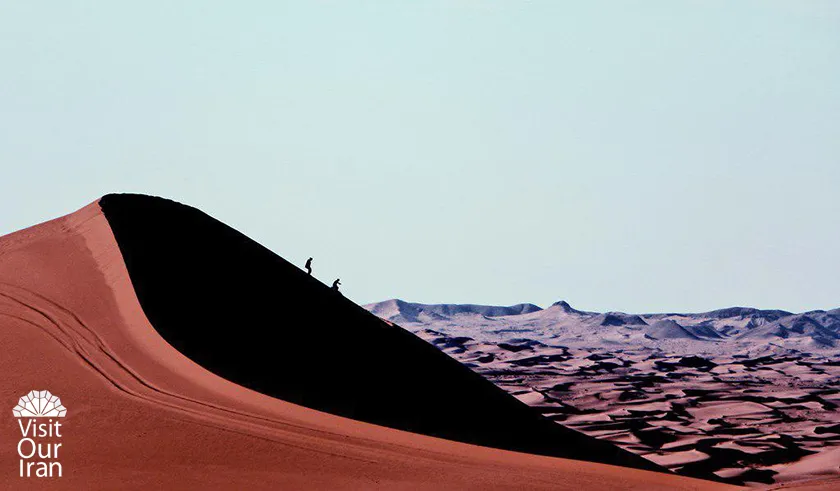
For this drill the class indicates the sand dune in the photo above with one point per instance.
(668, 329)
(142, 415)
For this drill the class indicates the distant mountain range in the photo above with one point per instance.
(560, 324)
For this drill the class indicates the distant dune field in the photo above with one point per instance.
(752, 396)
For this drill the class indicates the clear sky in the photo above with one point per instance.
(623, 155)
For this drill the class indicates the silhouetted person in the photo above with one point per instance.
(335, 284)
(309, 266)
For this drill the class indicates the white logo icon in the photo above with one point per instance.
(40, 440)
(39, 404)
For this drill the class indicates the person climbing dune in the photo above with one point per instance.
(336, 283)
(308, 266)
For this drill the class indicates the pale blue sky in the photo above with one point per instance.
(623, 155)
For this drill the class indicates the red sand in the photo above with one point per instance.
(140, 415)
(819, 485)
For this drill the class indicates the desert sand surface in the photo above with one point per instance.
(142, 415)
(815, 485)
(749, 395)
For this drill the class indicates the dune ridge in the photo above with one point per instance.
(343, 361)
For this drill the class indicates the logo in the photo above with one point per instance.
(39, 446)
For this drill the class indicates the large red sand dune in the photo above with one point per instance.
(142, 415)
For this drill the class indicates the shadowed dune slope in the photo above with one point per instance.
(247, 315)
